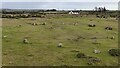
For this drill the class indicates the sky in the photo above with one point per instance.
(60, 0)
(60, 4)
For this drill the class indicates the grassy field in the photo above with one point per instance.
(43, 50)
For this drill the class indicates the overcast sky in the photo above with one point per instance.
(59, 4)
(60, 0)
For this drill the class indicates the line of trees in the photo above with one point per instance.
(100, 9)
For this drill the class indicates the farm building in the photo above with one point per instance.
(73, 12)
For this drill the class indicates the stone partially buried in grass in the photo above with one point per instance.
(95, 42)
(96, 51)
(44, 23)
(60, 45)
(91, 25)
(4, 36)
(74, 50)
(33, 24)
(10, 62)
(112, 37)
(25, 41)
(93, 60)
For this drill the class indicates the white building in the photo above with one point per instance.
(73, 12)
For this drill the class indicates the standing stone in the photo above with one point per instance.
(25, 41)
(96, 51)
(60, 45)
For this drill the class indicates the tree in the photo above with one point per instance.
(104, 9)
(99, 9)
(96, 9)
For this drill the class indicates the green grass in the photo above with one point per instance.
(43, 50)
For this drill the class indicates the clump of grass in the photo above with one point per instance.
(74, 50)
(93, 60)
(30, 55)
(81, 55)
(114, 52)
